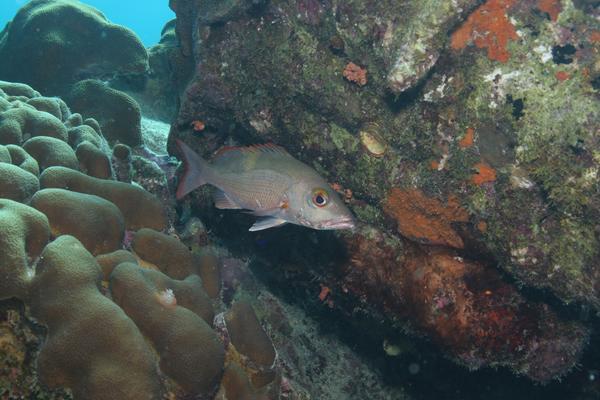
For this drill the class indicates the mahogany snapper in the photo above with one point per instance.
(268, 181)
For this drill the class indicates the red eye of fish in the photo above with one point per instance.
(320, 198)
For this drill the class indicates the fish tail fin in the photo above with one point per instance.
(195, 173)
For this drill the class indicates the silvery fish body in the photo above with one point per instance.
(271, 183)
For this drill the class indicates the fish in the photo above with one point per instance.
(268, 182)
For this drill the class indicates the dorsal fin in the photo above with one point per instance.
(268, 148)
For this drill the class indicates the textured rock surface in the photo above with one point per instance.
(463, 134)
(493, 151)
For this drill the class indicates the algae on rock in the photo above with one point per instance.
(464, 109)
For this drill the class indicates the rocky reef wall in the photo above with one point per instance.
(454, 130)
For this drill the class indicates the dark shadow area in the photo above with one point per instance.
(292, 261)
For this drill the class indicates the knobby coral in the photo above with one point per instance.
(63, 245)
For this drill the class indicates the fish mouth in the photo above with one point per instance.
(341, 223)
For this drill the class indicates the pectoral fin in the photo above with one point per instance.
(266, 223)
(224, 202)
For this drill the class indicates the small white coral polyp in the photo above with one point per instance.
(167, 298)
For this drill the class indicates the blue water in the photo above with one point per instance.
(145, 17)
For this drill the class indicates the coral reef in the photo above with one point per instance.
(189, 350)
(22, 159)
(24, 234)
(210, 272)
(64, 255)
(117, 353)
(488, 27)
(426, 220)
(248, 339)
(52, 43)
(93, 161)
(492, 153)
(80, 132)
(484, 321)
(117, 113)
(97, 223)
(356, 74)
(109, 261)
(463, 305)
(172, 256)
(121, 163)
(140, 209)
(462, 134)
(22, 122)
(16, 183)
(49, 151)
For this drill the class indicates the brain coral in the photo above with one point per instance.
(5, 155)
(19, 123)
(16, 183)
(25, 232)
(250, 341)
(97, 223)
(172, 256)
(109, 261)
(60, 281)
(93, 161)
(51, 105)
(52, 43)
(23, 159)
(117, 113)
(49, 151)
(152, 333)
(190, 351)
(114, 362)
(139, 207)
(238, 386)
(210, 271)
(82, 133)
(18, 89)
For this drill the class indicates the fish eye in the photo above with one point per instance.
(320, 198)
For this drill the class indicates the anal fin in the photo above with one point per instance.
(223, 202)
(266, 223)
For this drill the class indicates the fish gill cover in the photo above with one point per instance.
(461, 135)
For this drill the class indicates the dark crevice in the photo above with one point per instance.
(563, 54)
(398, 102)
(518, 106)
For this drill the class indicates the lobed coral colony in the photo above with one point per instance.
(111, 334)
(463, 135)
